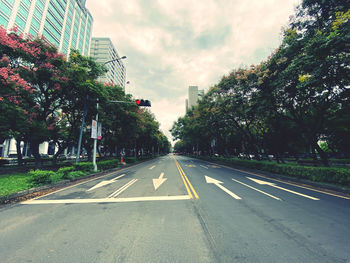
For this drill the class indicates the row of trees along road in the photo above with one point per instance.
(289, 103)
(42, 98)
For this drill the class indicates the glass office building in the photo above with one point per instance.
(103, 50)
(64, 23)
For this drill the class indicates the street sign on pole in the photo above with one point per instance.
(94, 129)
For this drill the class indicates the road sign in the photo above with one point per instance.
(94, 129)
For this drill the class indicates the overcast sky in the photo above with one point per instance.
(173, 44)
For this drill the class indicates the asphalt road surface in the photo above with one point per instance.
(178, 209)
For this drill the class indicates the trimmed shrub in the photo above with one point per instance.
(130, 159)
(40, 177)
(108, 164)
(64, 171)
(75, 174)
(84, 167)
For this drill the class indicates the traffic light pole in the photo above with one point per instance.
(147, 104)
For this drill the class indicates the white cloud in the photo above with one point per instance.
(171, 44)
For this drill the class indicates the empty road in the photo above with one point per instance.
(178, 209)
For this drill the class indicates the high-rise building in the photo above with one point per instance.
(64, 23)
(103, 50)
(193, 96)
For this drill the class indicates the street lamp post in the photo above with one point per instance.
(95, 139)
(95, 144)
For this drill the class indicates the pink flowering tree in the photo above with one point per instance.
(32, 82)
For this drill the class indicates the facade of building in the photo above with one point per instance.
(64, 23)
(103, 50)
(193, 96)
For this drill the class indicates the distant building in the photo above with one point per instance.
(193, 96)
(103, 50)
(64, 23)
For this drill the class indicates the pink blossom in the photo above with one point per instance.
(5, 60)
(57, 86)
(46, 65)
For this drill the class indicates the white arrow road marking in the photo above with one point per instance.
(284, 189)
(204, 166)
(103, 183)
(218, 184)
(157, 182)
(152, 167)
(122, 189)
(257, 190)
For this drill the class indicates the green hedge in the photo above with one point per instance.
(64, 171)
(130, 159)
(40, 177)
(84, 167)
(75, 174)
(108, 164)
(316, 174)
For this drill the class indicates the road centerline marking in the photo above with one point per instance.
(260, 191)
(186, 181)
(152, 167)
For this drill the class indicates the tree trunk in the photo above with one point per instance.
(60, 150)
(19, 153)
(323, 155)
(35, 151)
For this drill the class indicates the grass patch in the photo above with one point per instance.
(10, 184)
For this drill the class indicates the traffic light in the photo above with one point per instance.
(144, 103)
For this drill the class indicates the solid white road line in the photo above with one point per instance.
(284, 182)
(122, 189)
(284, 189)
(257, 190)
(108, 200)
(204, 166)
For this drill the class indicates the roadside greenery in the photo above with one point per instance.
(340, 176)
(43, 96)
(13, 183)
(297, 101)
